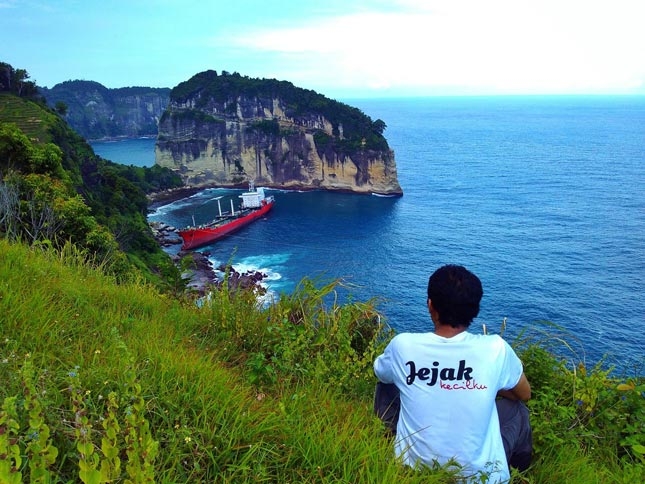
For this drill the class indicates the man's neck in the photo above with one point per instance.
(447, 331)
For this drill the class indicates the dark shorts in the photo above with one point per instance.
(513, 422)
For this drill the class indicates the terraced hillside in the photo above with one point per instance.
(31, 118)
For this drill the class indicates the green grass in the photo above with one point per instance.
(117, 383)
(28, 116)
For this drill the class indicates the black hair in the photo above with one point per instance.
(455, 293)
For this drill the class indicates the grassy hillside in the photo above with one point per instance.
(105, 382)
(29, 116)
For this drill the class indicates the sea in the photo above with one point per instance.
(543, 197)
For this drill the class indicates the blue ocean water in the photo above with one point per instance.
(542, 197)
(137, 152)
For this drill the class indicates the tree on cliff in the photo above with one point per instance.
(379, 126)
(16, 81)
(61, 108)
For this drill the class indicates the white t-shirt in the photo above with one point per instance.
(448, 388)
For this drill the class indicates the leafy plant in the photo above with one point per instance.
(10, 453)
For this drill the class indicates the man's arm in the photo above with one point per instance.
(521, 391)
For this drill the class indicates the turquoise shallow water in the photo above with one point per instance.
(541, 197)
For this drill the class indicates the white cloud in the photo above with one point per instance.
(498, 45)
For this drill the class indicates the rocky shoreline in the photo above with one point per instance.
(201, 274)
(204, 277)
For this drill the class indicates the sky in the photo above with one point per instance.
(339, 48)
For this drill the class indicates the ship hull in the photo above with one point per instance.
(199, 236)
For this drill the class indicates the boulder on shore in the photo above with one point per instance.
(165, 235)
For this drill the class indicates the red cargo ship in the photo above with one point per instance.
(255, 204)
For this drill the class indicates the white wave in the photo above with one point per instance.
(194, 200)
(273, 276)
(268, 260)
(268, 265)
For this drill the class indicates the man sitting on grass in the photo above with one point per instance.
(440, 389)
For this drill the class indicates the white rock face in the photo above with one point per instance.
(227, 144)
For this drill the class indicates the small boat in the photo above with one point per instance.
(255, 204)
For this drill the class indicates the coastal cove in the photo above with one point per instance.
(541, 197)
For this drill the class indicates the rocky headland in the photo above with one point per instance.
(224, 130)
(97, 112)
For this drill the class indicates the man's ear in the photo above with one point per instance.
(434, 315)
(432, 310)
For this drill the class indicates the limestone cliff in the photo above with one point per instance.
(96, 112)
(224, 130)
